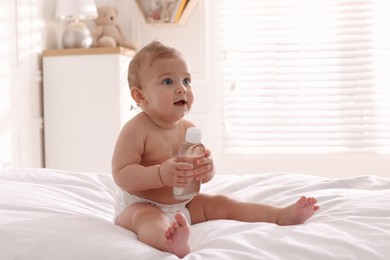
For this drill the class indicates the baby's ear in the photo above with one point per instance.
(136, 94)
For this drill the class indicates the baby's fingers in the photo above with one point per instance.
(182, 166)
(202, 171)
(203, 161)
(184, 177)
(184, 174)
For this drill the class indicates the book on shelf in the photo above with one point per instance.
(187, 11)
(179, 8)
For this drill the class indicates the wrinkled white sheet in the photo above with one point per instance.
(52, 214)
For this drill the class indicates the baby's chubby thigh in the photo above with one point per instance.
(143, 216)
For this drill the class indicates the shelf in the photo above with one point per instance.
(166, 11)
(88, 51)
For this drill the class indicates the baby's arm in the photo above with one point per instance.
(129, 172)
(135, 177)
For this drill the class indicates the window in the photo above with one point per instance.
(305, 76)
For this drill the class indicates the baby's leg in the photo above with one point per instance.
(205, 207)
(154, 228)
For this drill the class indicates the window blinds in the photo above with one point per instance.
(305, 76)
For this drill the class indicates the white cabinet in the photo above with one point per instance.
(86, 102)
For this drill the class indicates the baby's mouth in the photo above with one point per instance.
(180, 102)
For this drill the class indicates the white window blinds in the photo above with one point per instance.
(305, 76)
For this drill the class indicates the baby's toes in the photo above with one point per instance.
(174, 225)
(169, 232)
(311, 201)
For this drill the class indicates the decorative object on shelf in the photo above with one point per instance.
(107, 33)
(161, 10)
(166, 11)
(76, 34)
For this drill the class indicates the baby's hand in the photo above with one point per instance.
(205, 170)
(176, 174)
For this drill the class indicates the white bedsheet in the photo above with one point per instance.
(52, 214)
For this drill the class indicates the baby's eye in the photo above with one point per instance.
(187, 81)
(167, 82)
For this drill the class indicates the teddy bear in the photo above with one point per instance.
(106, 32)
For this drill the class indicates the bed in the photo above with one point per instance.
(53, 214)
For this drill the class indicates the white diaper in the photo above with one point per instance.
(124, 199)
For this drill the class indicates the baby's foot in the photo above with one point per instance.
(177, 237)
(298, 212)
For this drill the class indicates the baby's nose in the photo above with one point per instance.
(181, 89)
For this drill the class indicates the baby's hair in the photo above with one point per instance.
(148, 54)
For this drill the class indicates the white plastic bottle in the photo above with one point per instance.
(190, 151)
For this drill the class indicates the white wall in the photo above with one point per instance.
(21, 86)
(21, 40)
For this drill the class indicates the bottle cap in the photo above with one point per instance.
(193, 135)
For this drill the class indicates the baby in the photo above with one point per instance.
(145, 166)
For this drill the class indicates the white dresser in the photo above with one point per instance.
(86, 102)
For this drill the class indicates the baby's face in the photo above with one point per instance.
(166, 86)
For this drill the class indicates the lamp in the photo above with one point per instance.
(76, 34)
